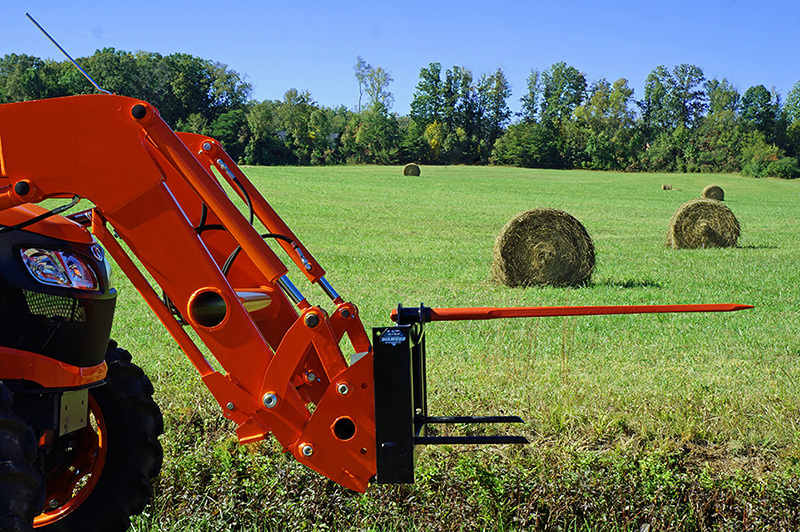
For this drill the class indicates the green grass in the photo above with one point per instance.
(679, 421)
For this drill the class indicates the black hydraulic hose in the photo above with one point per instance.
(43, 216)
(229, 262)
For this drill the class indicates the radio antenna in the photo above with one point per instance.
(93, 82)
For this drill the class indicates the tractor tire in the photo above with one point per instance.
(127, 422)
(21, 485)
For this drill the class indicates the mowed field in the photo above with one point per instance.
(636, 422)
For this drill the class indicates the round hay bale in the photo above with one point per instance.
(411, 169)
(703, 223)
(543, 247)
(713, 192)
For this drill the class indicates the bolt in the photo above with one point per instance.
(307, 450)
(230, 406)
(343, 389)
(312, 320)
(53, 504)
(207, 146)
(311, 376)
(139, 111)
(22, 188)
(345, 313)
(270, 400)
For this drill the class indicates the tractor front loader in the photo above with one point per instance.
(78, 426)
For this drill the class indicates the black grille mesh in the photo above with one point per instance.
(51, 306)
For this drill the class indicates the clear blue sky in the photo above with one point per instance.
(313, 45)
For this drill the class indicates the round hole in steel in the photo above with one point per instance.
(344, 428)
(208, 309)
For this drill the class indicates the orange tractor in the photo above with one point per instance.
(78, 426)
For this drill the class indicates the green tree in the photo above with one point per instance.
(604, 126)
(722, 96)
(264, 146)
(655, 107)
(687, 98)
(292, 119)
(375, 82)
(427, 105)
(24, 77)
(563, 89)
(231, 130)
(792, 104)
(373, 136)
(532, 100)
(791, 110)
(760, 108)
(493, 112)
(530, 145)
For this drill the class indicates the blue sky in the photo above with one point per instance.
(313, 45)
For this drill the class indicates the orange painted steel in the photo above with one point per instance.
(491, 313)
(16, 364)
(159, 201)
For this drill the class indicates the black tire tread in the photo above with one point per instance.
(21, 484)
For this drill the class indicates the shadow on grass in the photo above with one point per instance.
(758, 246)
(630, 283)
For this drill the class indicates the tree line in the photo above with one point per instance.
(683, 122)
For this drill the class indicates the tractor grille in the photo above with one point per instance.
(55, 307)
(72, 330)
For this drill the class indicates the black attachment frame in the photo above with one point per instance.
(401, 400)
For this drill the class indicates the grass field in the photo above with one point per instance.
(640, 422)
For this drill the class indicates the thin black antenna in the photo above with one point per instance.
(96, 86)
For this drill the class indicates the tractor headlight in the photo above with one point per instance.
(59, 268)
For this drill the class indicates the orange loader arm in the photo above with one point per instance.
(160, 195)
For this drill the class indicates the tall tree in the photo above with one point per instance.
(760, 108)
(654, 106)
(791, 110)
(532, 100)
(792, 104)
(493, 93)
(360, 69)
(292, 121)
(374, 81)
(428, 101)
(378, 135)
(687, 97)
(604, 126)
(563, 89)
(722, 96)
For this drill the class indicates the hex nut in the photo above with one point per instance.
(312, 320)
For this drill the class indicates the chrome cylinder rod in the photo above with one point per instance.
(328, 289)
(291, 290)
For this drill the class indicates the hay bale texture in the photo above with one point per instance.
(543, 247)
(411, 169)
(703, 223)
(713, 192)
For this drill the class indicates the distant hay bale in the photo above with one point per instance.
(411, 169)
(703, 223)
(713, 192)
(543, 247)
